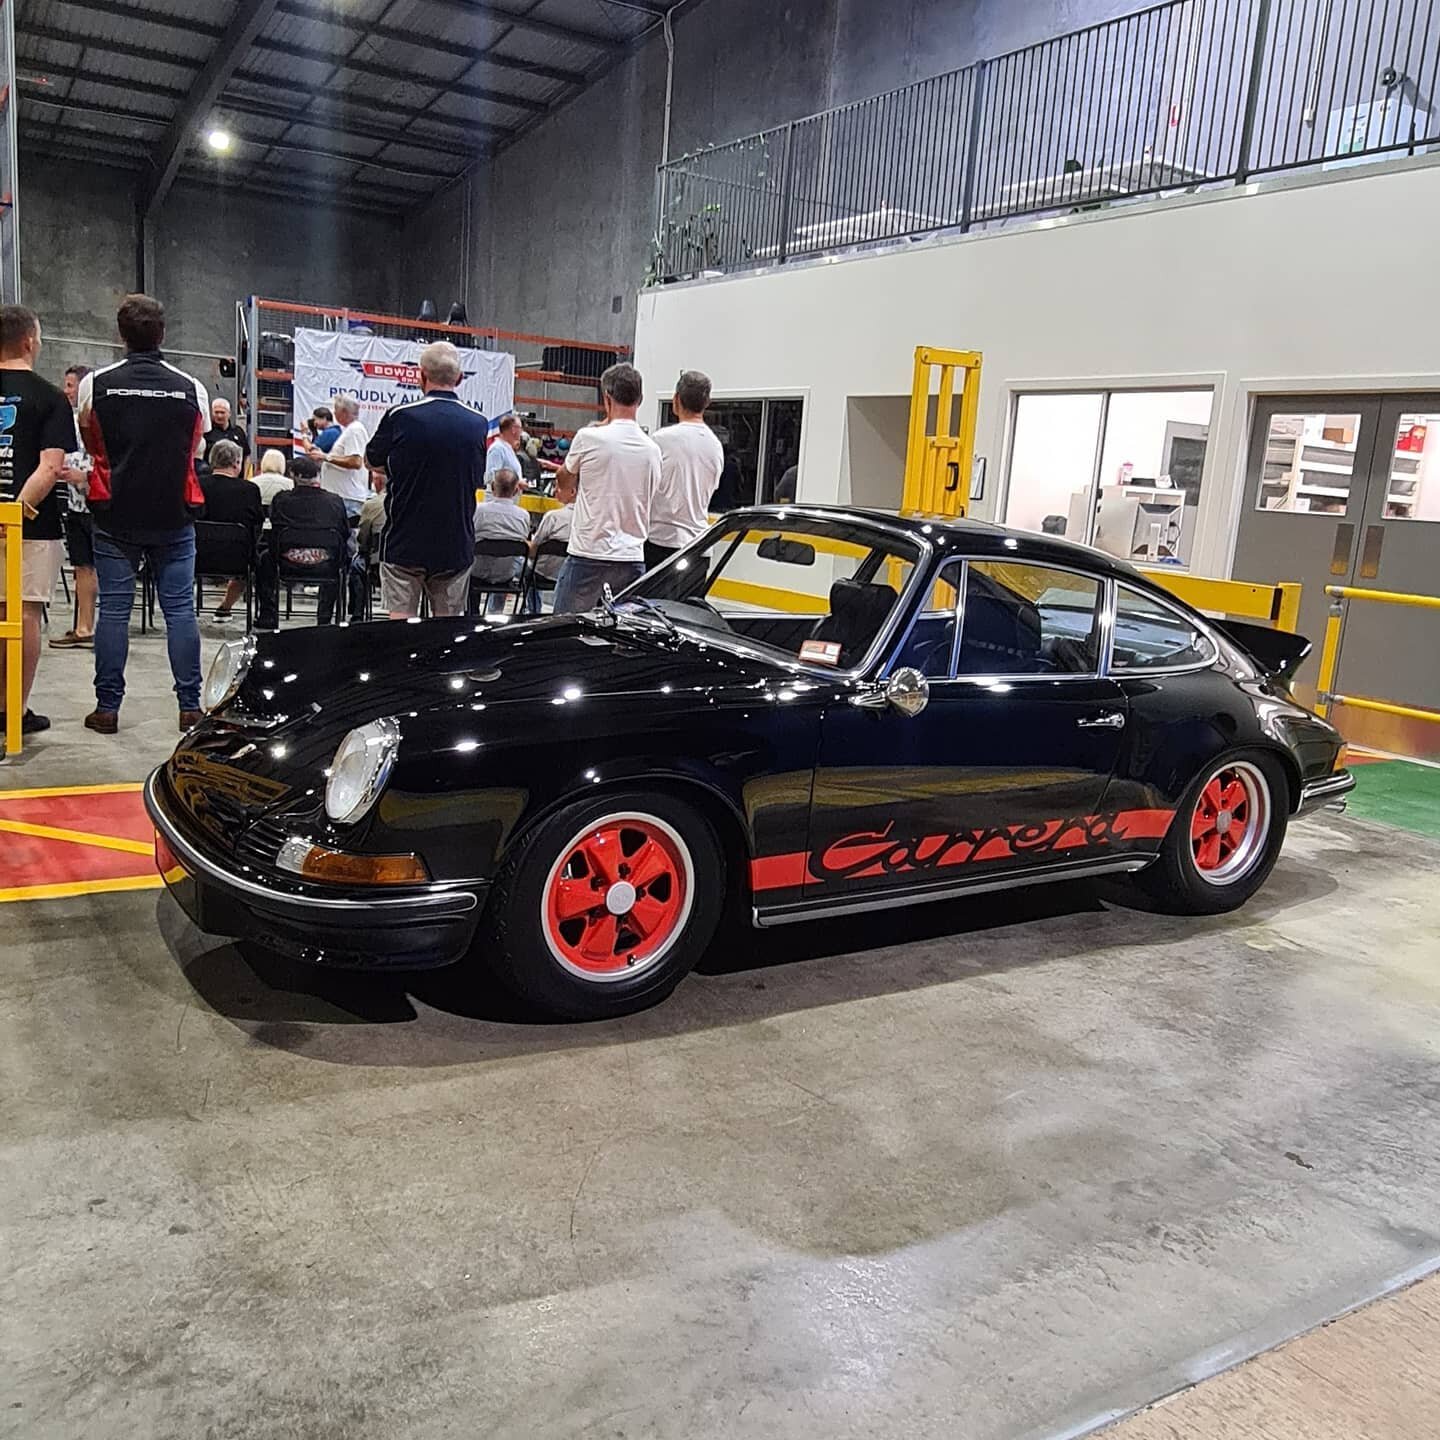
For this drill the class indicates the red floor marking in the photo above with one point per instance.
(32, 861)
(122, 815)
(71, 861)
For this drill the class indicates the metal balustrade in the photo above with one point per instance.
(1179, 96)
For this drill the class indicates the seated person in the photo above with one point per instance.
(271, 476)
(309, 528)
(499, 517)
(231, 499)
(368, 530)
(554, 525)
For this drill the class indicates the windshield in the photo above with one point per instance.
(818, 591)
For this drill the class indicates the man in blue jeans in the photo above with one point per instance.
(611, 473)
(143, 421)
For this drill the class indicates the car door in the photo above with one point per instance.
(1006, 767)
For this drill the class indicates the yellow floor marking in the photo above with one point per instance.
(81, 887)
(129, 786)
(77, 837)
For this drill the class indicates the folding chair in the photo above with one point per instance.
(331, 572)
(225, 550)
(519, 583)
(541, 584)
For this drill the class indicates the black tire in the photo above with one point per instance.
(543, 957)
(1200, 875)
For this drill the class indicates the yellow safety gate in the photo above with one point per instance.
(938, 466)
(1340, 596)
(1242, 599)
(12, 520)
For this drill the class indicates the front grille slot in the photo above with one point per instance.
(260, 844)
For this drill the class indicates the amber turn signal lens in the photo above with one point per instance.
(1342, 755)
(341, 869)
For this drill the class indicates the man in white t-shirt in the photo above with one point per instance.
(691, 459)
(342, 468)
(503, 453)
(611, 472)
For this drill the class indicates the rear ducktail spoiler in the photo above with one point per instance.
(1276, 652)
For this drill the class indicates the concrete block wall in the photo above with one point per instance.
(560, 223)
(212, 247)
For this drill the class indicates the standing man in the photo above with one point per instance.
(221, 428)
(691, 460)
(143, 422)
(504, 449)
(342, 472)
(79, 529)
(433, 454)
(611, 472)
(37, 427)
(323, 429)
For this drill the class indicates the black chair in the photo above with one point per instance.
(329, 572)
(518, 584)
(541, 584)
(225, 550)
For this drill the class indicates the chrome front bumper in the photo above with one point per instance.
(1326, 794)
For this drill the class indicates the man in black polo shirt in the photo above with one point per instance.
(221, 428)
(432, 452)
(143, 422)
(36, 429)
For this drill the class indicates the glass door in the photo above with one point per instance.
(1305, 487)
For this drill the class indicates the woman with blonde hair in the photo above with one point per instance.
(271, 476)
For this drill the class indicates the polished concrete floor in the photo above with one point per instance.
(996, 1170)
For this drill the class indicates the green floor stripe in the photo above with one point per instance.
(1400, 794)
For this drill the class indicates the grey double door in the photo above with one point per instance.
(1345, 490)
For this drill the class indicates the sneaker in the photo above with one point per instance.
(222, 613)
(189, 719)
(30, 723)
(72, 641)
(103, 722)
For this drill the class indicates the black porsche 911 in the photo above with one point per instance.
(810, 711)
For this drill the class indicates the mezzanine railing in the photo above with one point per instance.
(1184, 94)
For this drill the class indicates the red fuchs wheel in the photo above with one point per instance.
(1230, 823)
(618, 897)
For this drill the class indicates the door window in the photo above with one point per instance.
(1028, 620)
(1150, 635)
(1309, 463)
(930, 645)
(1413, 489)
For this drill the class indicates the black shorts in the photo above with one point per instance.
(80, 537)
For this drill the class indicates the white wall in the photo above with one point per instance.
(1282, 287)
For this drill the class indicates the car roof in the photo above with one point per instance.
(972, 537)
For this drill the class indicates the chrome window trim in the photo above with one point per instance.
(1196, 622)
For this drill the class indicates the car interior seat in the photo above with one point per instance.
(857, 613)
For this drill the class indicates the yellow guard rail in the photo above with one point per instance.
(1340, 597)
(1243, 599)
(12, 520)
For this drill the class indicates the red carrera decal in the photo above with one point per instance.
(871, 853)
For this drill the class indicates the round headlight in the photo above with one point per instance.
(227, 672)
(360, 769)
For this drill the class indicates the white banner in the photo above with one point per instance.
(381, 372)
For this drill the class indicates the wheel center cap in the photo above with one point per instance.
(1223, 822)
(620, 898)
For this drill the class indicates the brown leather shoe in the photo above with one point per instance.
(103, 722)
(189, 719)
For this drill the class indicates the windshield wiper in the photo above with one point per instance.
(651, 608)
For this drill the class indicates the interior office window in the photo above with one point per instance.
(761, 440)
(1118, 469)
(1413, 490)
(1149, 635)
(1028, 620)
(1309, 463)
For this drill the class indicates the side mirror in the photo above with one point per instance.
(908, 691)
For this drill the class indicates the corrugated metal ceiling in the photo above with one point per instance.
(380, 101)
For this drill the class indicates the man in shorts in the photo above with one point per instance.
(37, 427)
(432, 452)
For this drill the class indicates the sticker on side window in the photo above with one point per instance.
(822, 652)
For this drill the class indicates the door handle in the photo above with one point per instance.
(1370, 555)
(1340, 555)
(1110, 720)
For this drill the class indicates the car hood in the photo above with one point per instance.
(343, 677)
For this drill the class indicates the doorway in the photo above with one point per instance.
(1345, 490)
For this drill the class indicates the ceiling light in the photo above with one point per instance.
(219, 141)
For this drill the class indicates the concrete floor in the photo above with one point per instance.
(1004, 1169)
